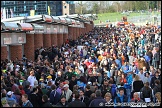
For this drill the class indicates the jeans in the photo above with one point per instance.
(128, 90)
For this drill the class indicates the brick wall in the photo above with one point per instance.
(59, 39)
(3, 52)
(38, 41)
(70, 32)
(29, 46)
(46, 40)
(54, 39)
(16, 51)
(74, 33)
(65, 37)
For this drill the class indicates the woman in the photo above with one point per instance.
(108, 98)
(137, 84)
(118, 78)
(123, 78)
(158, 97)
(72, 98)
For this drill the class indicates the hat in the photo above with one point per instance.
(90, 83)
(50, 77)
(10, 93)
(66, 85)
(41, 79)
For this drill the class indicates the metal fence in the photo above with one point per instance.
(143, 19)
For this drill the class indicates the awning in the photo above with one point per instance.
(63, 20)
(25, 26)
(55, 19)
(47, 18)
(68, 20)
(9, 26)
(37, 27)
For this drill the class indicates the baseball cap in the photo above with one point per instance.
(66, 85)
(50, 77)
(10, 93)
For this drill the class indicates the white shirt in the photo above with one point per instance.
(32, 79)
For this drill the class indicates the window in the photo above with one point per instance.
(64, 6)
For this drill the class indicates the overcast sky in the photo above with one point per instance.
(92, 1)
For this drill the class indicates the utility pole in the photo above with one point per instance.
(81, 5)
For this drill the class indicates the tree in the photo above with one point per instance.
(95, 8)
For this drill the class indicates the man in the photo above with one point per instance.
(147, 78)
(120, 98)
(155, 78)
(98, 101)
(141, 75)
(60, 88)
(83, 98)
(77, 102)
(63, 102)
(54, 95)
(88, 92)
(72, 82)
(11, 101)
(45, 101)
(32, 78)
(25, 82)
(67, 92)
(26, 102)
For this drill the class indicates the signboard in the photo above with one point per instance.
(7, 41)
(21, 39)
(13, 38)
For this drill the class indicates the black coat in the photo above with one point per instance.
(137, 85)
(76, 103)
(59, 104)
(71, 84)
(47, 104)
(88, 93)
(152, 83)
(85, 100)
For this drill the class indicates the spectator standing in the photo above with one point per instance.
(98, 101)
(77, 102)
(54, 95)
(63, 102)
(120, 98)
(137, 84)
(32, 78)
(11, 101)
(154, 78)
(67, 92)
(26, 102)
(34, 98)
(45, 101)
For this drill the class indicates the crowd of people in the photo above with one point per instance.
(109, 66)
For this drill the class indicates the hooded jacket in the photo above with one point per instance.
(120, 99)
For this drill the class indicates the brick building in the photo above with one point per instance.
(23, 35)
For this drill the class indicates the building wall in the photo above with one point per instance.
(3, 52)
(68, 9)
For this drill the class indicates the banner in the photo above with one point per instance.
(32, 12)
(49, 11)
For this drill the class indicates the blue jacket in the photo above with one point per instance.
(129, 81)
(97, 102)
(81, 84)
(118, 63)
(54, 97)
(125, 68)
(120, 99)
(147, 58)
(113, 90)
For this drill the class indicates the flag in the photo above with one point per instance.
(4, 13)
(49, 11)
(1, 13)
(11, 13)
(32, 12)
(7, 13)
